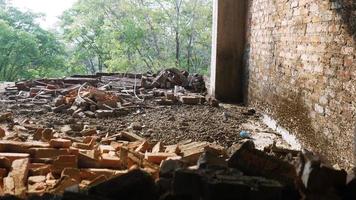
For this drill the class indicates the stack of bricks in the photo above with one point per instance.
(302, 70)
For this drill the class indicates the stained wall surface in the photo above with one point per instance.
(301, 69)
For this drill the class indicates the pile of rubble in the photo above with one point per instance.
(108, 95)
(125, 165)
(53, 164)
(82, 162)
(170, 78)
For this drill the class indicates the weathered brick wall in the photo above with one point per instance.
(300, 57)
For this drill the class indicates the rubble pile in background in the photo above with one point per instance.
(108, 95)
(170, 78)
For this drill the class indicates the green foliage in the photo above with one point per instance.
(26, 50)
(107, 35)
(139, 35)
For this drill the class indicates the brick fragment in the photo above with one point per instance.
(74, 173)
(20, 147)
(62, 162)
(130, 136)
(47, 135)
(106, 148)
(145, 146)
(190, 100)
(2, 133)
(158, 148)
(51, 152)
(110, 161)
(15, 182)
(60, 143)
(157, 158)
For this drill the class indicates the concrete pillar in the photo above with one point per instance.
(227, 69)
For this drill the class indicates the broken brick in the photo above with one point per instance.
(110, 161)
(157, 158)
(89, 132)
(130, 136)
(60, 143)
(106, 148)
(15, 182)
(62, 162)
(257, 163)
(36, 179)
(20, 147)
(51, 152)
(2, 133)
(93, 173)
(158, 148)
(62, 184)
(190, 100)
(74, 173)
(47, 134)
(145, 146)
(39, 169)
(14, 156)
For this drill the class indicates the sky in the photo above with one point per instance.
(51, 8)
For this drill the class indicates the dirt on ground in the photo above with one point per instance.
(168, 124)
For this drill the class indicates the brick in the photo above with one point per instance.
(39, 169)
(88, 160)
(62, 184)
(74, 173)
(172, 149)
(14, 156)
(144, 146)
(60, 143)
(91, 174)
(158, 148)
(253, 162)
(157, 158)
(47, 134)
(130, 136)
(90, 132)
(2, 133)
(15, 182)
(51, 152)
(110, 161)
(36, 179)
(37, 189)
(106, 148)
(62, 162)
(190, 100)
(20, 147)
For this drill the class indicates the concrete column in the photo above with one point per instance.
(227, 50)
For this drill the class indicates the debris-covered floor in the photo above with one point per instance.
(156, 136)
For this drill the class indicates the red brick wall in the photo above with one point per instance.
(301, 69)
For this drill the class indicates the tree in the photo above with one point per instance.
(26, 49)
(140, 35)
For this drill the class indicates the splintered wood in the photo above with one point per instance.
(51, 166)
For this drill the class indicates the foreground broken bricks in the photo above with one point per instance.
(135, 169)
(55, 164)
